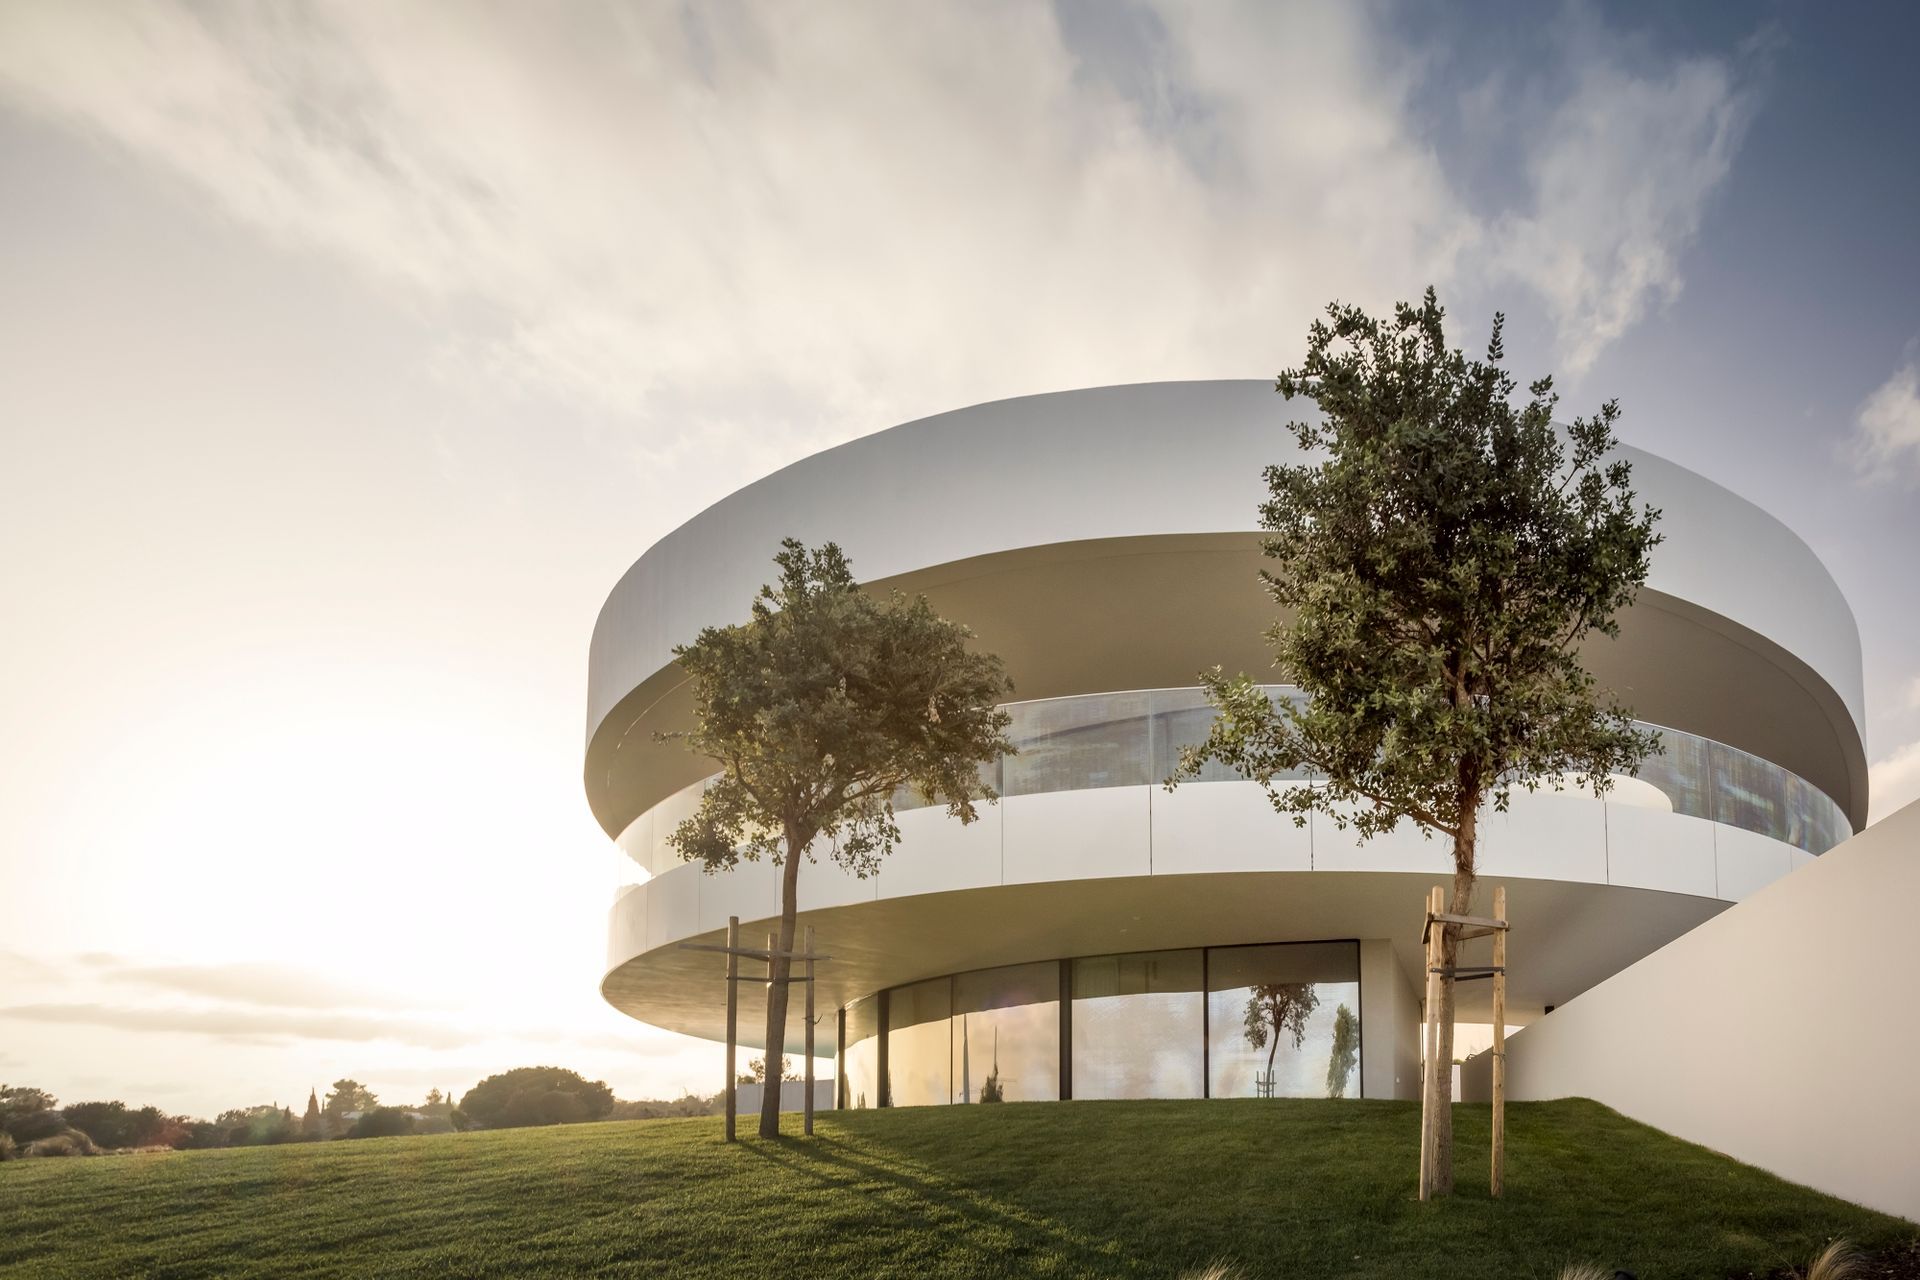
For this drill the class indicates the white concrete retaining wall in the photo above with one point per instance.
(793, 1096)
(1784, 1032)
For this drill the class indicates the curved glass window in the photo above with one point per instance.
(860, 1059)
(1158, 1024)
(1139, 1026)
(920, 1043)
(1133, 739)
(1006, 1034)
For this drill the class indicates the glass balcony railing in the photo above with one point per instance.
(1134, 739)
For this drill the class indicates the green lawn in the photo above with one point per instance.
(1285, 1189)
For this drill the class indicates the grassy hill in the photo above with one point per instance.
(1108, 1189)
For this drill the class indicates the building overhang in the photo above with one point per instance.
(1567, 936)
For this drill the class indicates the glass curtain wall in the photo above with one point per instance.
(920, 1043)
(1275, 1020)
(1284, 1021)
(860, 1059)
(1134, 739)
(1137, 1026)
(1006, 1034)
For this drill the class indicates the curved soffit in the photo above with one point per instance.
(1134, 613)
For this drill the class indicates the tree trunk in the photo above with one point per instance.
(1440, 1071)
(779, 969)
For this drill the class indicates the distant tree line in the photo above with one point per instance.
(33, 1123)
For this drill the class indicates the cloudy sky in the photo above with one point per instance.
(349, 353)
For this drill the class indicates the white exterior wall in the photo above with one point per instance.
(1389, 1025)
(1782, 1032)
(793, 1096)
(1119, 462)
(1211, 827)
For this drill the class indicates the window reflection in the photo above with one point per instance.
(1006, 1034)
(1134, 739)
(920, 1043)
(1137, 1026)
(1074, 744)
(860, 1057)
(1272, 1014)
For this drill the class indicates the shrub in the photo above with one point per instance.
(109, 1124)
(382, 1122)
(1838, 1261)
(202, 1135)
(70, 1142)
(8, 1150)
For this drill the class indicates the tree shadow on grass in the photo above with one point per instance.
(948, 1218)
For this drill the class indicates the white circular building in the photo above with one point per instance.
(1096, 935)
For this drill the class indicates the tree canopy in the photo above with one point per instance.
(347, 1098)
(822, 706)
(28, 1114)
(529, 1096)
(1440, 556)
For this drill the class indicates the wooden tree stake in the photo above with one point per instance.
(807, 946)
(733, 1011)
(1430, 1078)
(1499, 1043)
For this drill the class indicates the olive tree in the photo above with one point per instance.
(1440, 556)
(818, 709)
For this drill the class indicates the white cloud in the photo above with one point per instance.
(1620, 177)
(1888, 435)
(763, 229)
(1894, 782)
(249, 1026)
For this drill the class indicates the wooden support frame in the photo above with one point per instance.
(733, 951)
(1496, 927)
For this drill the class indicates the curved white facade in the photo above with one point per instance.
(1104, 543)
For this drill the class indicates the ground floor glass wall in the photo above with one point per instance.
(1006, 1034)
(1280, 1020)
(1139, 1025)
(860, 1054)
